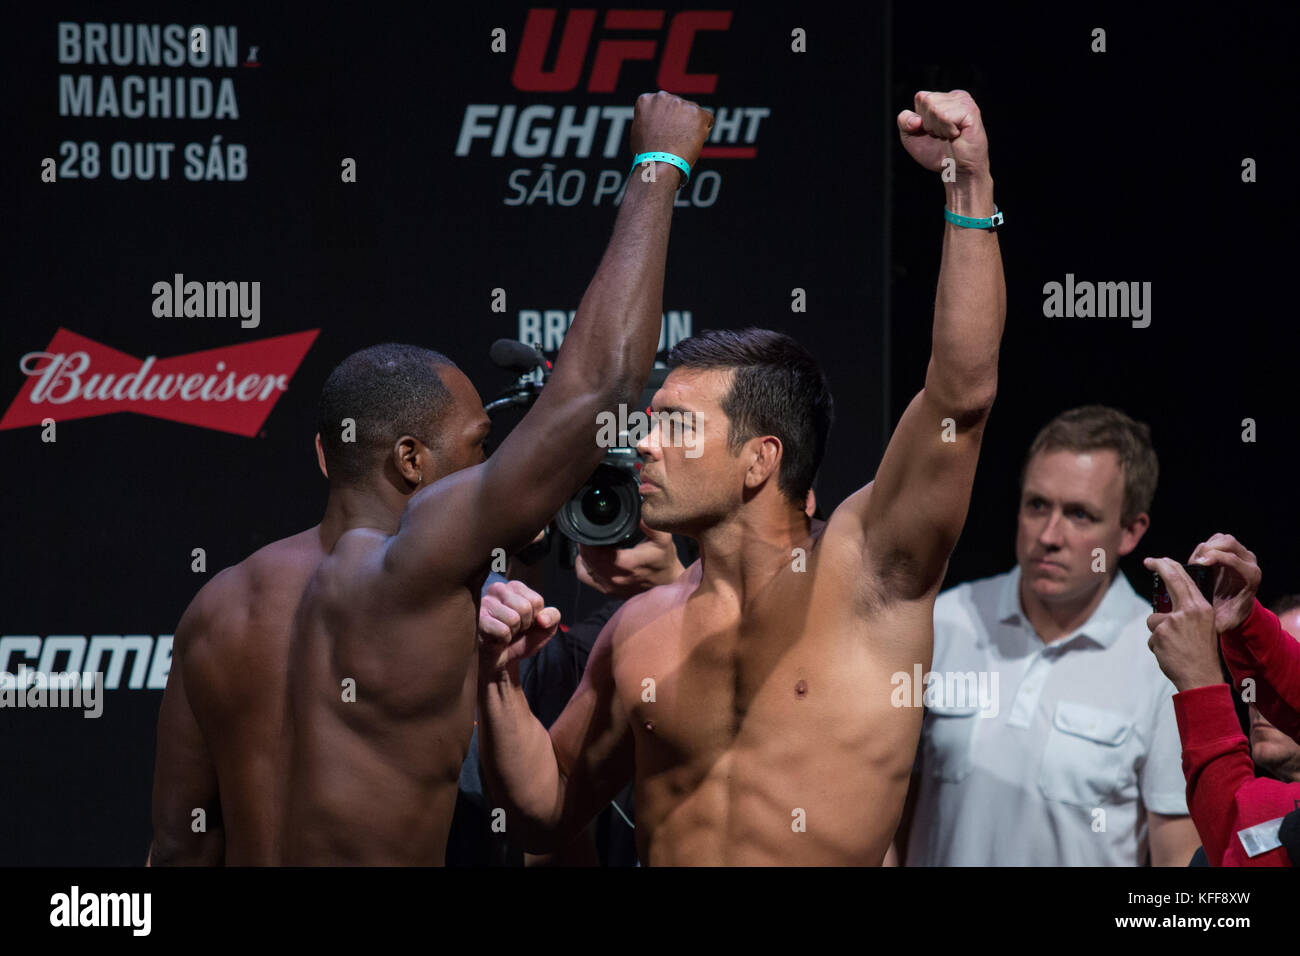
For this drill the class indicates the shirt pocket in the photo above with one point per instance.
(1084, 757)
(948, 739)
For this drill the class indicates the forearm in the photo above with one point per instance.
(610, 347)
(604, 362)
(1262, 651)
(970, 305)
(1216, 763)
(517, 760)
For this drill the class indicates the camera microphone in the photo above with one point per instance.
(517, 357)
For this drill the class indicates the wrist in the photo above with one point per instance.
(491, 669)
(662, 175)
(1193, 680)
(970, 196)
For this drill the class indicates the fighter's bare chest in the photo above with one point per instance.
(700, 682)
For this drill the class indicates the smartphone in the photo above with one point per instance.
(1201, 574)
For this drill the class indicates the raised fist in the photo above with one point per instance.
(513, 622)
(944, 126)
(663, 123)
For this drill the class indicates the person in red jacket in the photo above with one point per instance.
(1275, 753)
(1238, 816)
(1253, 641)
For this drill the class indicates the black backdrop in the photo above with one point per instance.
(1115, 166)
(1127, 166)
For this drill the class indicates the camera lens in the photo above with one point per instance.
(607, 510)
(599, 506)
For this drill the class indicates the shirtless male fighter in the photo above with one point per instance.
(750, 700)
(321, 696)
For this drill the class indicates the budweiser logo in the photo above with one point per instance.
(229, 389)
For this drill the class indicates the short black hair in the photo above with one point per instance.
(778, 388)
(388, 391)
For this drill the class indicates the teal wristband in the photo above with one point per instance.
(971, 222)
(669, 158)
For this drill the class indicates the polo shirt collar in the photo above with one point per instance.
(1109, 618)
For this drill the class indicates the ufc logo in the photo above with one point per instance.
(612, 54)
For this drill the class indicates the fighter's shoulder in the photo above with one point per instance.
(222, 605)
(639, 611)
(272, 560)
(215, 610)
(846, 518)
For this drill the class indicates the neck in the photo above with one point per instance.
(350, 508)
(1053, 620)
(742, 554)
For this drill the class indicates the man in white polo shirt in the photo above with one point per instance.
(1070, 756)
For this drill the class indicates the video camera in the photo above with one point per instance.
(606, 510)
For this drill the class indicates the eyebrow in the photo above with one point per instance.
(1067, 505)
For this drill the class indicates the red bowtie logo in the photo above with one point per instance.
(230, 389)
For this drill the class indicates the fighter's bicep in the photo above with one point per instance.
(444, 535)
(592, 738)
(915, 509)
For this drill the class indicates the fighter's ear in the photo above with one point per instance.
(767, 459)
(320, 457)
(406, 459)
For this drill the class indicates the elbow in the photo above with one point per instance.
(166, 850)
(968, 397)
(977, 394)
(531, 832)
(622, 386)
(970, 407)
(979, 400)
(177, 845)
(612, 371)
(609, 392)
(540, 841)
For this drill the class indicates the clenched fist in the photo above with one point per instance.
(943, 126)
(663, 123)
(513, 622)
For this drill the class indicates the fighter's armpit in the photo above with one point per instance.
(844, 556)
